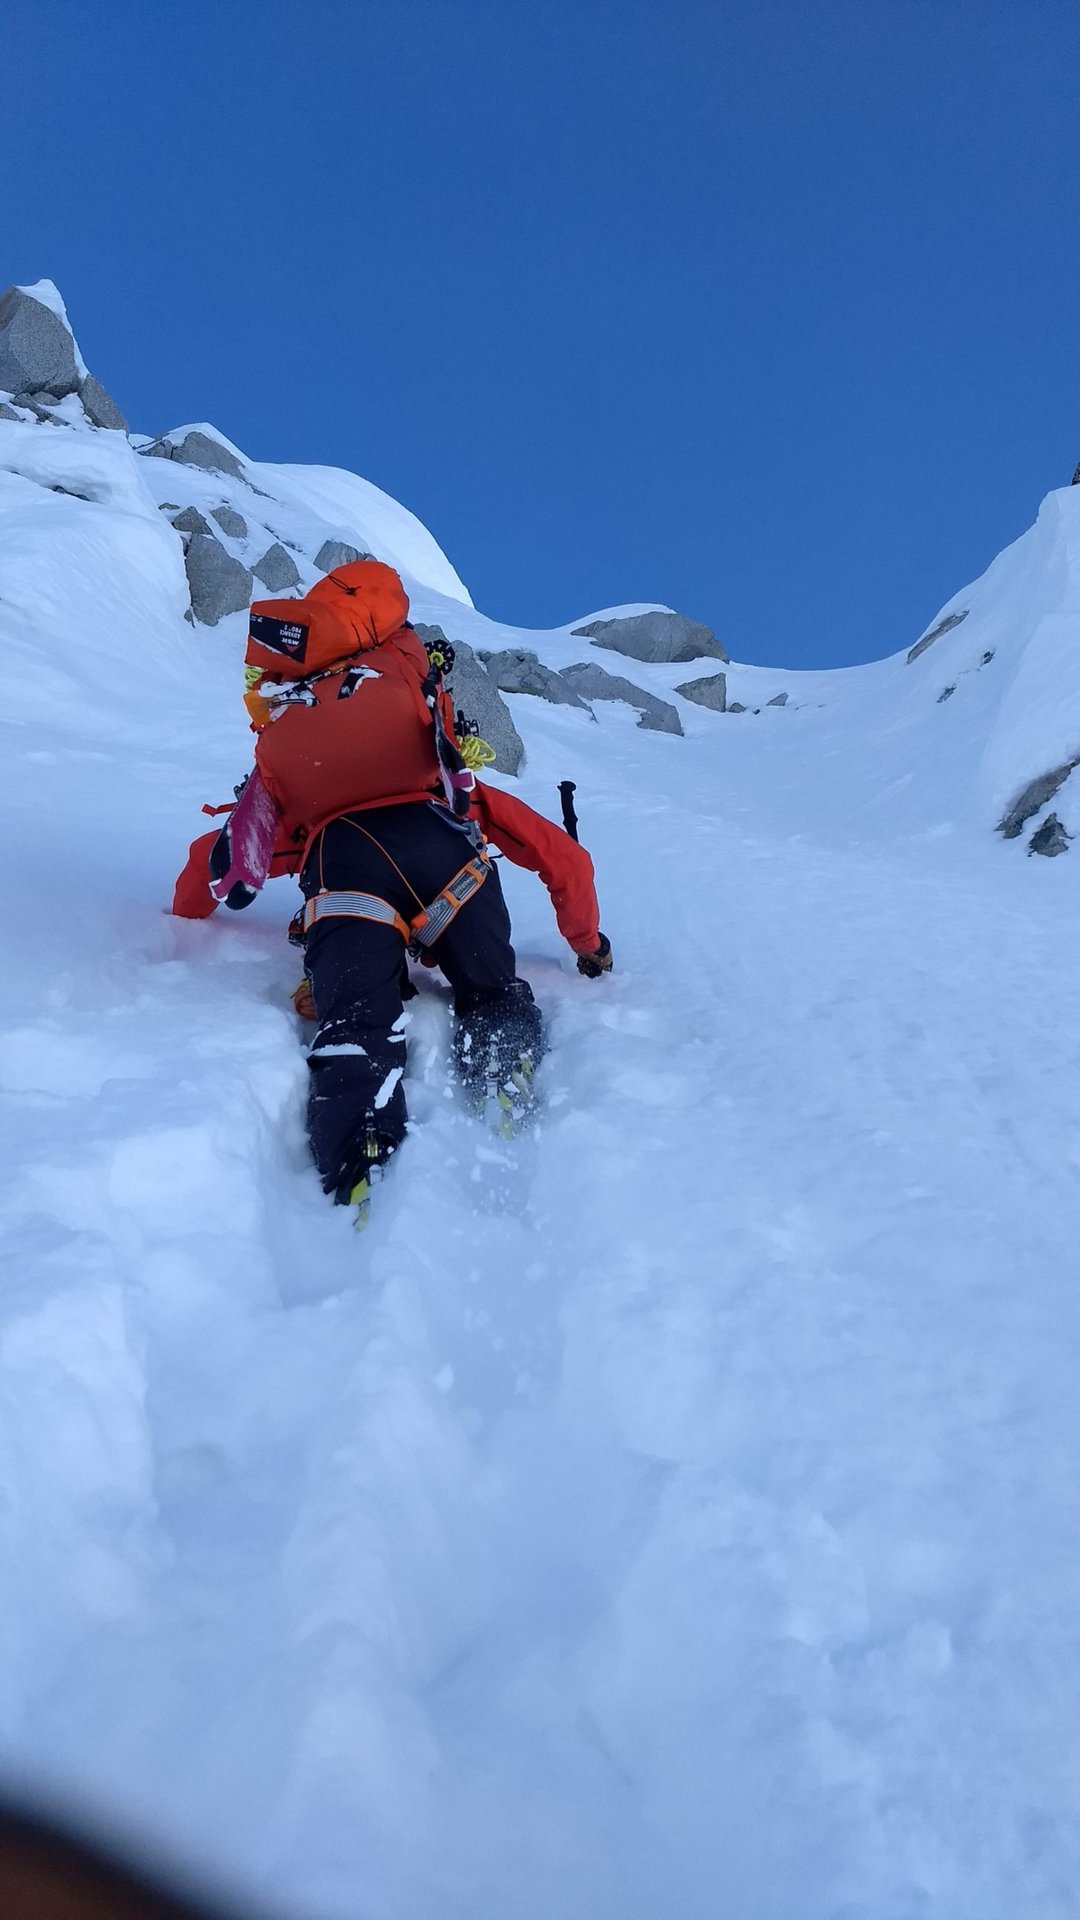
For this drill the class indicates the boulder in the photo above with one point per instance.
(592, 683)
(37, 351)
(1034, 795)
(778, 700)
(276, 570)
(518, 671)
(197, 450)
(99, 407)
(655, 637)
(475, 695)
(709, 692)
(1051, 838)
(6, 412)
(189, 520)
(950, 621)
(338, 553)
(230, 522)
(219, 584)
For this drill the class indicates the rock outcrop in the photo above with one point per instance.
(197, 449)
(1034, 796)
(710, 692)
(40, 363)
(37, 351)
(219, 584)
(99, 407)
(950, 621)
(656, 637)
(1050, 839)
(188, 520)
(338, 553)
(518, 671)
(230, 522)
(593, 683)
(277, 569)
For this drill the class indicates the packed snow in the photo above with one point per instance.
(692, 1533)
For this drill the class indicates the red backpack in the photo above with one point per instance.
(341, 696)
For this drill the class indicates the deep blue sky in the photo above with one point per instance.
(769, 309)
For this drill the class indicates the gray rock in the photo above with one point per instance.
(778, 700)
(276, 569)
(338, 553)
(946, 694)
(737, 706)
(230, 522)
(950, 621)
(37, 353)
(197, 450)
(518, 671)
(709, 692)
(1076, 478)
(1051, 838)
(219, 584)
(99, 407)
(593, 683)
(655, 637)
(1034, 795)
(475, 694)
(189, 520)
(6, 412)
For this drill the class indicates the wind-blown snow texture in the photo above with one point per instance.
(698, 1539)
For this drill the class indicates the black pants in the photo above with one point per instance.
(405, 855)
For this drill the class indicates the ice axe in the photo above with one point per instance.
(567, 790)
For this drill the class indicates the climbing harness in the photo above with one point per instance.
(427, 926)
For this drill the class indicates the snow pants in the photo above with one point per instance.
(405, 855)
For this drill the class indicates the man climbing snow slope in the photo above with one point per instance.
(361, 788)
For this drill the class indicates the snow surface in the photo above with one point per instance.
(695, 1536)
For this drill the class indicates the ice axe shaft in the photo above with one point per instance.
(567, 790)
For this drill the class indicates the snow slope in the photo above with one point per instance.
(697, 1536)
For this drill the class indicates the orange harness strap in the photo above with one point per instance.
(429, 924)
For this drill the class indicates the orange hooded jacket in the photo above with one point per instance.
(524, 836)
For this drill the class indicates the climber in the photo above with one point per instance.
(361, 787)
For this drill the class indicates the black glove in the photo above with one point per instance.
(592, 965)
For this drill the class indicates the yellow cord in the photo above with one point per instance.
(475, 752)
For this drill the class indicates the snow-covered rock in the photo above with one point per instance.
(277, 570)
(231, 523)
(197, 447)
(37, 350)
(337, 553)
(219, 583)
(99, 407)
(593, 683)
(656, 635)
(711, 691)
(517, 670)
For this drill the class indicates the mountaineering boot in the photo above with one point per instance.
(510, 1097)
(369, 1158)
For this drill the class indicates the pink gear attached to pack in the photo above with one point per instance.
(240, 856)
